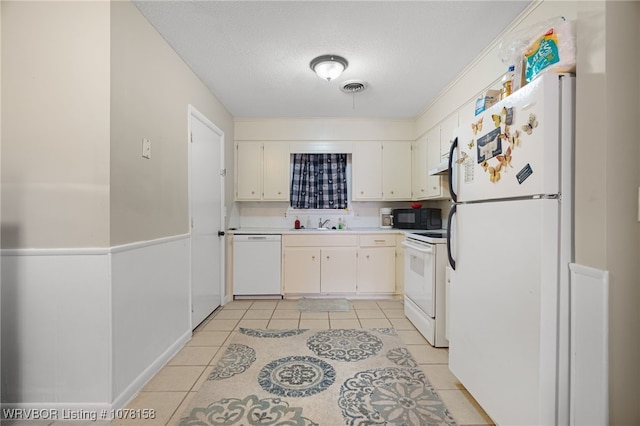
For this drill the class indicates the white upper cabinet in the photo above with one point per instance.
(396, 170)
(448, 128)
(248, 170)
(437, 186)
(467, 113)
(275, 175)
(381, 170)
(262, 171)
(367, 171)
(419, 169)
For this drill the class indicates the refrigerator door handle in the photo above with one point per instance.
(454, 196)
(452, 212)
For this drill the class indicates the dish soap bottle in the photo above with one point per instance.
(297, 223)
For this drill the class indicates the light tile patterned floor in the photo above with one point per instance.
(171, 389)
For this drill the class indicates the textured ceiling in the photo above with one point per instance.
(254, 55)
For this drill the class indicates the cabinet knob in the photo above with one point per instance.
(279, 193)
(361, 192)
(367, 256)
(327, 257)
(313, 258)
(391, 192)
(435, 187)
(253, 192)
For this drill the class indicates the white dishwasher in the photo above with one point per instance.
(256, 265)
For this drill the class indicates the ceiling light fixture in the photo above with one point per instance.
(329, 67)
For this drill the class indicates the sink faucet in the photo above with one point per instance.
(321, 224)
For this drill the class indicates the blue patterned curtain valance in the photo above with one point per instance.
(319, 181)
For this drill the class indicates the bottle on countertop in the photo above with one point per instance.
(297, 223)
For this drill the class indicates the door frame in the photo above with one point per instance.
(193, 113)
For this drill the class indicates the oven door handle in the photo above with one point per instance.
(417, 248)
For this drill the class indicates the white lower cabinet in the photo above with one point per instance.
(377, 264)
(338, 270)
(339, 264)
(301, 269)
(319, 264)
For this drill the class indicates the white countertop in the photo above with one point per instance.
(282, 231)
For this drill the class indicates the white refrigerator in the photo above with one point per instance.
(510, 243)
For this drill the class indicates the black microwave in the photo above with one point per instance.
(425, 218)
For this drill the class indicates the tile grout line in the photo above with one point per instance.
(389, 310)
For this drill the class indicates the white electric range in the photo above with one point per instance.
(425, 262)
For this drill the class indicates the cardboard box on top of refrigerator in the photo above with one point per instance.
(487, 99)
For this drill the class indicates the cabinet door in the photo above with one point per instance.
(248, 171)
(301, 270)
(396, 170)
(275, 176)
(466, 114)
(367, 171)
(338, 270)
(448, 129)
(419, 169)
(434, 183)
(377, 270)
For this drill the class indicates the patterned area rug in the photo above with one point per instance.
(317, 377)
(323, 305)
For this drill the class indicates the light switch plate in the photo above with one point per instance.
(146, 148)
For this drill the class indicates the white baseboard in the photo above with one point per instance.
(132, 390)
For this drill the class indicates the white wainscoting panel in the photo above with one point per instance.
(85, 329)
(151, 310)
(56, 333)
(589, 325)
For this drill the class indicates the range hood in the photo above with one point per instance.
(441, 169)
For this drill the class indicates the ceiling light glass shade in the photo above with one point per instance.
(329, 67)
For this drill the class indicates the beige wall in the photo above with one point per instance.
(607, 182)
(485, 72)
(83, 83)
(323, 129)
(151, 90)
(607, 165)
(55, 134)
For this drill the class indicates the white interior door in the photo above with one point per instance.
(206, 182)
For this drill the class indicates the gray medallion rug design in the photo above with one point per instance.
(323, 305)
(316, 377)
